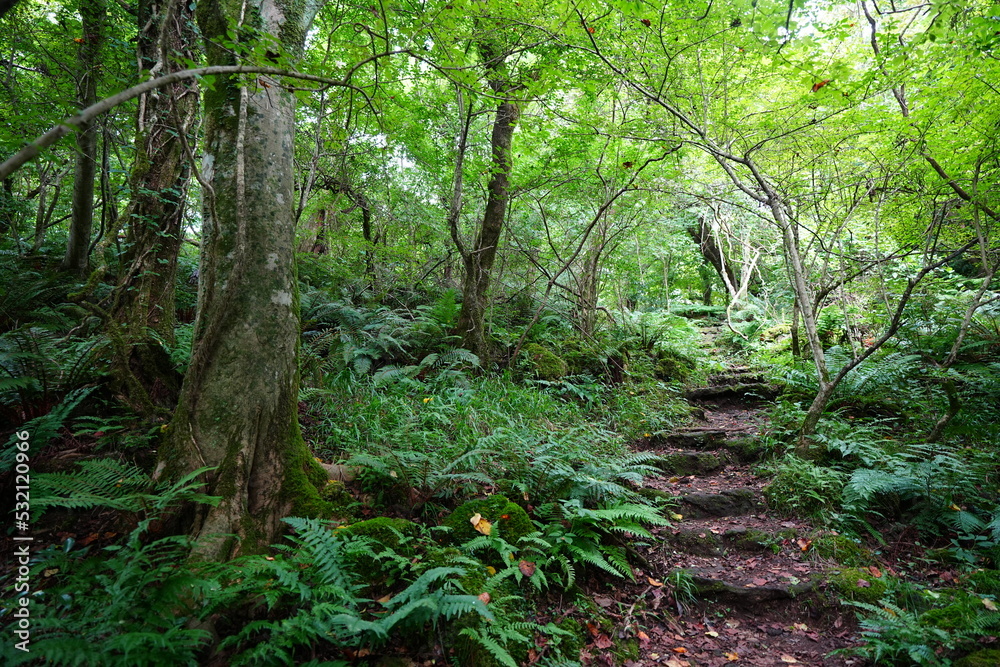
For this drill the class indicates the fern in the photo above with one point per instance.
(44, 428)
(113, 484)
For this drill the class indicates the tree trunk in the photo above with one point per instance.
(238, 407)
(77, 258)
(142, 314)
(479, 261)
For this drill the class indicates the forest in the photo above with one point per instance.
(485, 333)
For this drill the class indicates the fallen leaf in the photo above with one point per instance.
(862, 583)
(759, 582)
(384, 599)
(679, 649)
(490, 570)
(480, 524)
(654, 582)
(712, 633)
(800, 626)
(789, 659)
(804, 544)
(990, 604)
(603, 601)
(731, 655)
(676, 517)
(526, 567)
(603, 641)
(593, 628)
(643, 638)
(877, 573)
(672, 662)
(485, 597)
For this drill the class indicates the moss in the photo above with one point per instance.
(656, 494)
(954, 616)
(986, 658)
(303, 479)
(670, 364)
(509, 517)
(339, 499)
(627, 650)
(747, 449)
(842, 549)
(547, 365)
(986, 582)
(385, 531)
(846, 583)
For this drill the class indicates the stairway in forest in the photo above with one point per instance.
(762, 582)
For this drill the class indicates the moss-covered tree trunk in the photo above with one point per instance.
(142, 314)
(238, 404)
(77, 257)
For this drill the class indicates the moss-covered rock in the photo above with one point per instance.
(669, 364)
(858, 585)
(956, 615)
(842, 549)
(547, 365)
(986, 658)
(747, 450)
(508, 517)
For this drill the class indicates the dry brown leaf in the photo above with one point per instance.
(526, 567)
(603, 641)
(485, 597)
(679, 649)
(862, 583)
(654, 582)
(480, 524)
(731, 655)
(792, 660)
(877, 573)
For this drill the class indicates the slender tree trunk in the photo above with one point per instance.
(142, 314)
(77, 258)
(238, 405)
(479, 260)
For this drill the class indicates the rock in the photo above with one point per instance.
(759, 388)
(731, 502)
(691, 463)
(713, 586)
(697, 541)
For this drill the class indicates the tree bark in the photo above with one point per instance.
(238, 408)
(77, 258)
(479, 260)
(142, 313)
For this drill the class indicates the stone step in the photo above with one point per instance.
(692, 438)
(761, 389)
(692, 462)
(735, 591)
(729, 502)
(702, 540)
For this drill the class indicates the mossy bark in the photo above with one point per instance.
(238, 405)
(142, 313)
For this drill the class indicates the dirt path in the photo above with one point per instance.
(731, 583)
